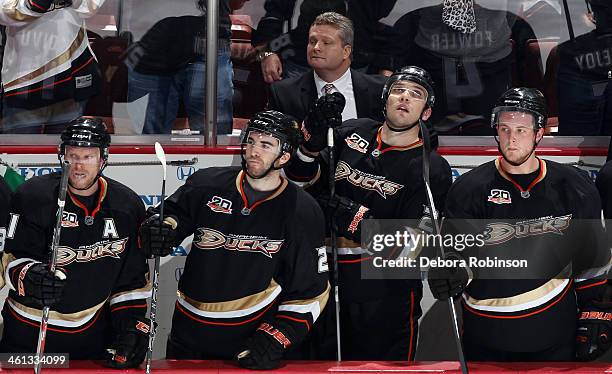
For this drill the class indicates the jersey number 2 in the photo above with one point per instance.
(322, 264)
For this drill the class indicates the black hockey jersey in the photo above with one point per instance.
(386, 180)
(98, 251)
(249, 261)
(529, 315)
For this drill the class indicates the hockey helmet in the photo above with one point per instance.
(522, 99)
(277, 124)
(86, 132)
(413, 74)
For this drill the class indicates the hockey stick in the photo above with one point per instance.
(332, 230)
(436, 228)
(161, 156)
(44, 321)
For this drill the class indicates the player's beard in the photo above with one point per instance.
(518, 159)
(257, 168)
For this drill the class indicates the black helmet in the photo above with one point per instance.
(522, 99)
(277, 124)
(413, 74)
(86, 132)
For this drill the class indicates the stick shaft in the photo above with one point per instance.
(154, 290)
(334, 248)
(437, 231)
(44, 321)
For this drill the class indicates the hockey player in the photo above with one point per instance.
(530, 319)
(255, 279)
(379, 174)
(98, 295)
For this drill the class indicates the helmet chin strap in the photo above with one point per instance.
(397, 129)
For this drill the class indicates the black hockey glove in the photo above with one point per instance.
(157, 239)
(39, 6)
(265, 348)
(447, 282)
(131, 344)
(348, 215)
(325, 113)
(35, 281)
(594, 335)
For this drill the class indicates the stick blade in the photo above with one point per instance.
(161, 156)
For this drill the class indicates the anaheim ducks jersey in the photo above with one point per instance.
(47, 57)
(97, 251)
(387, 180)
(249, 261)
(545, 211)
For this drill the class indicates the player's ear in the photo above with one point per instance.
(539, 134)
(284, 159)
(426, 114)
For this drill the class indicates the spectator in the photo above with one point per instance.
(168, 64)
(468, 50)
(585, 69)
(329, 53)
(283, 55)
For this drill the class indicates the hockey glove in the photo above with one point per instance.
(447, 282)
(594, 335)
(39, 6)
(130, 346)
(265, 348)
(158, 239)
(348, 215)
(35, 281)
(325, 113)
